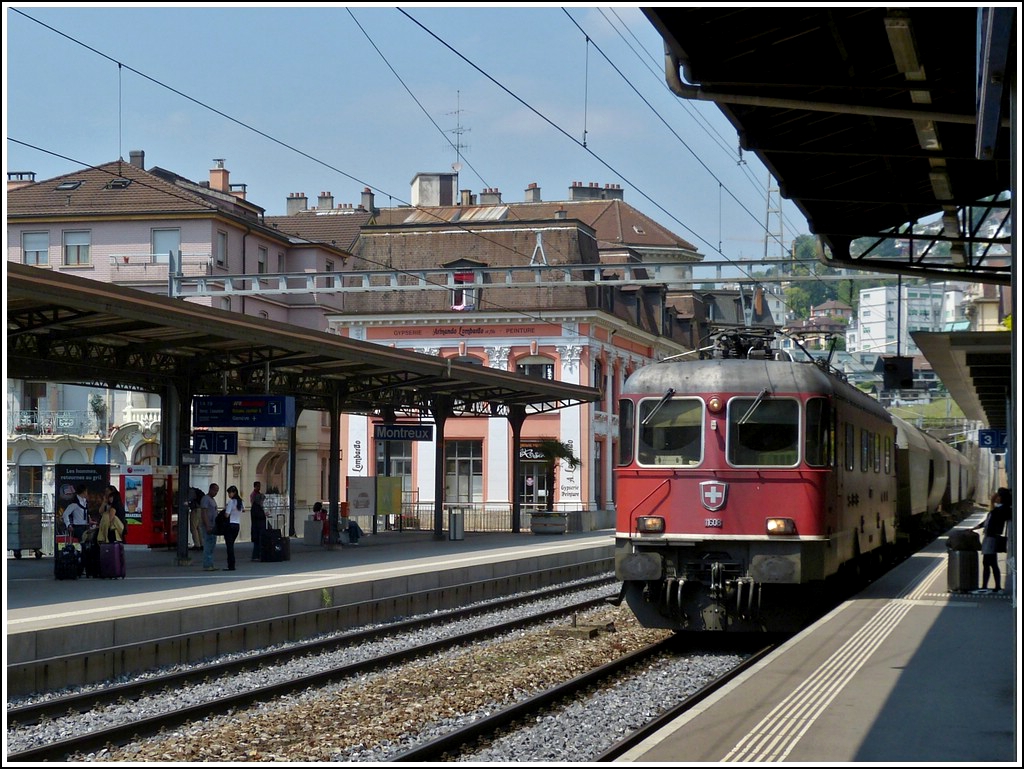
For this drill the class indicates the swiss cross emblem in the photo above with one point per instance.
(712, 494)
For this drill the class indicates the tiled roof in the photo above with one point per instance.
(615, 222)
(96, 192)
(337, 228)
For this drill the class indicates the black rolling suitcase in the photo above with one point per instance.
(67, 561)
(275, 546)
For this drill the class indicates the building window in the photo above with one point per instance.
(329, 266)
(464, 298)
(280, 261)
(35, 248)
(222, 249)
(536, 366)
(30, 485)
(165, 242)
(463, 471)
(261, 260)
(76, 247)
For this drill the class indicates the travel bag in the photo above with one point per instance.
(67, 561)
(275, 545)
(111, 560)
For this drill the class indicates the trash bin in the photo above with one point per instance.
(962, 571)
(456, 525)
(25, 529)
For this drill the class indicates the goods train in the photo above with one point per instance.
(751, 484)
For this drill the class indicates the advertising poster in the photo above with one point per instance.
(96, 478)
(362, 495)
(389, 495)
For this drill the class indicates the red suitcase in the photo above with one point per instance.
(112, 564)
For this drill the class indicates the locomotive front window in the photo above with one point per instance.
(670, 431)
(763, 431)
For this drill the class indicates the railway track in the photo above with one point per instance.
(119, 734)
(462, 742)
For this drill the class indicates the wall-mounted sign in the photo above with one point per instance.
(403, 432)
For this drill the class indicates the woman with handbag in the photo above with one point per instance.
(993, 540)
(233, 507)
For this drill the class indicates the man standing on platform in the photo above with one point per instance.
(257, 518)
(208, 506)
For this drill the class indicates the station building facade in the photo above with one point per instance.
(591, 325)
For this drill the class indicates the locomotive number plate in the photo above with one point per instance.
(712, 523)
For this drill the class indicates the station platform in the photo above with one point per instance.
(905, 672)
(110, 623)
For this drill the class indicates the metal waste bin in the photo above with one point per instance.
(25, 529)
(962, 571)
(456, 525)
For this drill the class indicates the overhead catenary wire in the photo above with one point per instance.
(329, 165)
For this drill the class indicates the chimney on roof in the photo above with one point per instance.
(238, 190)
(296, 203)
(434, 189)
(613, 192)
(138, 158)
(17, 179)
(466, 197)
(532, 194)
(593, 191)
(367, 200)
(219, 176)
(325, 202)
(561, 213)
(490, 196)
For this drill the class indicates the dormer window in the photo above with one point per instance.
(464, 299)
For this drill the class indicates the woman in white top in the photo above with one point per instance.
(234, 510)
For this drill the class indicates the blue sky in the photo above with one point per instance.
(334, 98)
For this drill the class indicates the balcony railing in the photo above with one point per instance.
(139, 265)
(51, 423)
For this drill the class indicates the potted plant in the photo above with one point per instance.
(552, 451)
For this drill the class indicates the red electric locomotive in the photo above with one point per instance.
(746, 480)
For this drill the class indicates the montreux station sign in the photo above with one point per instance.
(243, 411)
(403, 432)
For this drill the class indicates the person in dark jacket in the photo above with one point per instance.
(993, 527)
(257, 519)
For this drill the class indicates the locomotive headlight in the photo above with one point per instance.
(714, 404)
(650, 524)
(780, 526)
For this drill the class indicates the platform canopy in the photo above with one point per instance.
(975, 367)
(64, 328)
(888, 127)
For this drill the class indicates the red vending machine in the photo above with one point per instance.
(148, 495)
